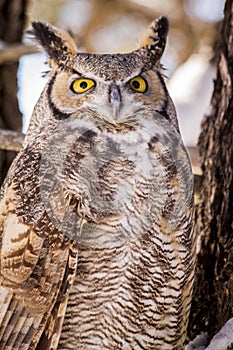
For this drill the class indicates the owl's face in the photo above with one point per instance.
(112, 96)
(113, 91)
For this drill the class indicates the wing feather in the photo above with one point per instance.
(36, 274)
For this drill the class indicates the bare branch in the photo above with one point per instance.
(11, 140)
(12, 53)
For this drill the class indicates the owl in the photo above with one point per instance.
(96, 240)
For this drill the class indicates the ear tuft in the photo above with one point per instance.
(154, 39)
(57, 43)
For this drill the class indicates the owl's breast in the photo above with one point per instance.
(117, 185)
(134, 208)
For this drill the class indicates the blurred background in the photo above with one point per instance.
(115, 26)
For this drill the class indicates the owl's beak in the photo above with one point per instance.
(115, 99)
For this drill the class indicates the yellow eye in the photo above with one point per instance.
(82, 85)
(138, 84)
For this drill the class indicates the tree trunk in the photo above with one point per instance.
(12, 19)
(213, 293)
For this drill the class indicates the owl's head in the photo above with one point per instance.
(115, 90)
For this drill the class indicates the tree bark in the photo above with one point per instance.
(213, 292)
(12, 19)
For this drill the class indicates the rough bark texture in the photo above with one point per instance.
(12, 18)
(213, 294)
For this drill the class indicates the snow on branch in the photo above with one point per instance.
(221, 341)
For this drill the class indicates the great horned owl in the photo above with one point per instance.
(97, 247)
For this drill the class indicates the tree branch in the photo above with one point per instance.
(12, 53)
(11, 140)
(212, 303)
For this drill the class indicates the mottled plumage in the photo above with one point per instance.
(97, 247)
